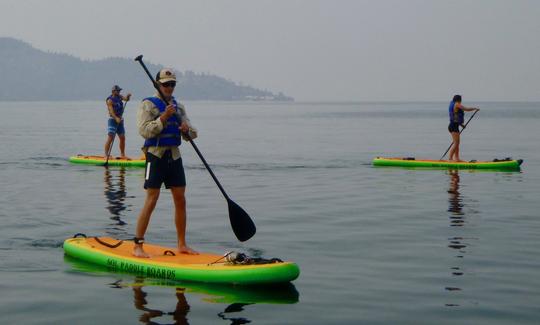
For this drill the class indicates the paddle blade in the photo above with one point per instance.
(242, 225)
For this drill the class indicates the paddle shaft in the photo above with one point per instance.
(114, 137)
(139, 59)
(465, 126)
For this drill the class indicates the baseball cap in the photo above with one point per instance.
(165, 75)
(116, 87)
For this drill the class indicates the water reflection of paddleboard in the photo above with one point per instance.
(212, 293)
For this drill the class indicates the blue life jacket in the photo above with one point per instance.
(455, 117)
(170, 135)
(117, 104)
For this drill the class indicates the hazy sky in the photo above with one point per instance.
(309, 49)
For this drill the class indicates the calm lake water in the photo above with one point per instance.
(375, 245)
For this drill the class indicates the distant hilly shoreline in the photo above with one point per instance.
(30, 74)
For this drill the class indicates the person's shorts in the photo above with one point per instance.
(453, 127)
(113, 127)
(164, 170)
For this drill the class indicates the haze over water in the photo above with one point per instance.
(375, 245)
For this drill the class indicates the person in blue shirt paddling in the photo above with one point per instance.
(115, 124)
(456, 115)
(163, 122)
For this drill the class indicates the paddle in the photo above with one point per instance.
(114, 137)
(444, 154)
(242, 225)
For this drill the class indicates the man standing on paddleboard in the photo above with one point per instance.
(115, 124)
(456, 114)
(163, 126)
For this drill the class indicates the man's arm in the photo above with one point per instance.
(182, 115)
(149, 123)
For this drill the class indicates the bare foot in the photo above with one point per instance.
(139, 252)
(184, 249)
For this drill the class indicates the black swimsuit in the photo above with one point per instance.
(453, 127)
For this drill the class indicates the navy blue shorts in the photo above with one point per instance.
(112, 126)
(164, 170)
(453, 127)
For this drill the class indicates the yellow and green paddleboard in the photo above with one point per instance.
(502, 164)
(164, 263)
(113, 161)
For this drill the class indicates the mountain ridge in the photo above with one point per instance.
(30, 74)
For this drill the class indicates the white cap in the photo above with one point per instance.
(165, 75)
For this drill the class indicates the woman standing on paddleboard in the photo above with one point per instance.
(456, 114)
(162, 126)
